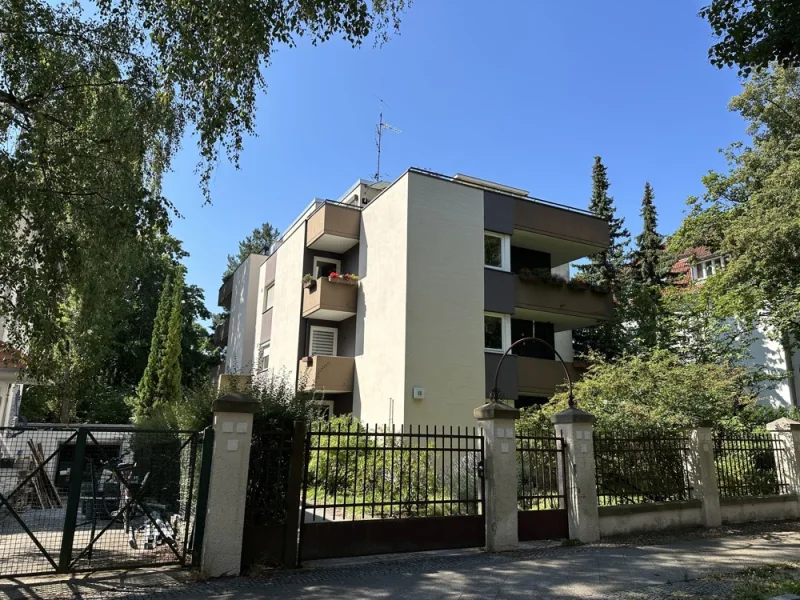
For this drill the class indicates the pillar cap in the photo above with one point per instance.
(236, 402)
(495, 410)
(572, 415)
(783, 424)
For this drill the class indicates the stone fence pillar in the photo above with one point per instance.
(500, 474)
(576, 426)
(222, 540)
(699, 465)
(786, 432)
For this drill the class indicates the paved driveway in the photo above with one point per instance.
(644, 567)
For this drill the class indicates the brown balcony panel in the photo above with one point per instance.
(328, 374)
(225, 293)
(221, 333)
(565, 307)
(566, 235)
(330, 301)
(333, 228)
(541, 377)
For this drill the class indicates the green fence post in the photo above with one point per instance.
(73, 501)
(202, 495)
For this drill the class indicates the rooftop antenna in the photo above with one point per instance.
(378, 137)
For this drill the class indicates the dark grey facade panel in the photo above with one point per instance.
(507, 381)
(498, 212)
(498, 291)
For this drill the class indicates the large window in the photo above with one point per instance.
(496, 332)
(269, 297)
(496, 250)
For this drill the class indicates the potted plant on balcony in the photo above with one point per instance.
(309, 282)
(348, 278)
(540, 275)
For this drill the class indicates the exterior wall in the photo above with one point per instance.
(444, 303)
(626, 519)
(286, 305)
(242, 328)
(769, 353)
(380, 346)
(767, 508)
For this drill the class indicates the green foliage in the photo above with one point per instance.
(169, 377)
(605, 270)
(658, 391)
(258, 242)
(751, 214)
(148, 392)
(753, 33)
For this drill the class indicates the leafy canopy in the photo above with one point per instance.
(258, 242)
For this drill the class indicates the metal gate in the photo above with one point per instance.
(88, 498)
(379, 490)
(541, 497)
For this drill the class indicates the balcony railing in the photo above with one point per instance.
(334, 227)
(566, 306)
(327, 374)
(328, 300)
(540, 376)
(221, 333)
(225, 292)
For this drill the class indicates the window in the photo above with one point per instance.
(707, 268)
(269, 297)
(263, 357)
(325, 266)
(496, 250)
(496, 332)
(323, 341)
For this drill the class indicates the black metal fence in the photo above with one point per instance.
(539, 469)
(355, 471)
(92, 498)
(748, 464)
(641, 469)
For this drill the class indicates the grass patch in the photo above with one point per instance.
(767, 582)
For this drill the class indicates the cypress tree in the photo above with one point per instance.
(605, 269)
(649, 267)
(147, 391)
(169, 381)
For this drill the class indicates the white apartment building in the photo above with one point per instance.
(396, 302)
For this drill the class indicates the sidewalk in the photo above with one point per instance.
(677, 565)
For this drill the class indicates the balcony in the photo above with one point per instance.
(221, 333)
(565, 234)
(328, 374)
(333, 227)
(566, 307)
(540, 377)
(225, 292)
(329, 301)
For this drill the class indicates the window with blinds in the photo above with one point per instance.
(323, 341)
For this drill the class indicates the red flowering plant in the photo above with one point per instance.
(343, 277)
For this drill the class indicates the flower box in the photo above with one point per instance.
(346, 278)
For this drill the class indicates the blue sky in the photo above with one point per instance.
(524, 94)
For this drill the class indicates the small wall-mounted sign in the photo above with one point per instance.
(418, 392)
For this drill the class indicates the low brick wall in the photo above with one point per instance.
(759, 508)
(632, 518)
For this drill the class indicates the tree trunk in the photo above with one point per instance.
(787, 357)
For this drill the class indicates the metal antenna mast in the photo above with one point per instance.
(379, 137)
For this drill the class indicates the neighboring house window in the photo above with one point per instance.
(496, 251)
(325, 266)
(323, 341)
(707, 268)
(263, 357)
(269, 297)
(496, 332)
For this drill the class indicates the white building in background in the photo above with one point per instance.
(698, 264)
(11, 385)
(396, 302)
